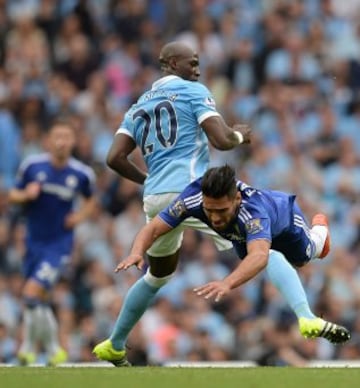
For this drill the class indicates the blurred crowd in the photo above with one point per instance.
(290, 68)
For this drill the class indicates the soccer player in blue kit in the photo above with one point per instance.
(48, 185)
(172, 124)
(268, 231)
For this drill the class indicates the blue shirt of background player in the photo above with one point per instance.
(262, 214)
(165, 124)
(45, 216)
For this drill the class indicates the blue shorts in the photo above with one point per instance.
(295, 243)
(44, 264)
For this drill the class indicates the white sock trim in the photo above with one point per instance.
(154, 281)
(318, 235)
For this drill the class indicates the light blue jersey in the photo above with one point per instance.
(165, 124)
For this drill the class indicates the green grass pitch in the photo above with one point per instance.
(157, 377)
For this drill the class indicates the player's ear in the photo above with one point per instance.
(238, 197)
(172, 63)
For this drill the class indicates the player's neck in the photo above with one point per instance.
(59, 163)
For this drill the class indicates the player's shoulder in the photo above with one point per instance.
(196, 87)
(35, 160)
(188, 201)
(192, 194)
(81, 168)
(175, 82)
(251, 200)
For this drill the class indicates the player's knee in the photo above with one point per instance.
(34, 291)
(163, 266)
(299, 264)
(155, 281)
(31, 302)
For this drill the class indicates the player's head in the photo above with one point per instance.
(61, 140)
(221, 198)
(179, 59)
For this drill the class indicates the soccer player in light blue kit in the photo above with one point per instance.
(48, 186)
(171, 124)
(267, 229)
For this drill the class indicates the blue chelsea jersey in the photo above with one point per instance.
(165, 124)
(59, 190)
(263, 214)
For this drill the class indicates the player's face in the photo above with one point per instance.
(221, 211)
(61, 141)
(188, 67)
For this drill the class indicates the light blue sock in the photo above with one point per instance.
(286, 279)
(137, 300)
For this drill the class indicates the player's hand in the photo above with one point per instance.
(131, 260)
(32, 190)
(216, 290)
(72, 220)
(245, 130)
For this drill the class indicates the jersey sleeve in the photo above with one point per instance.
(87, 187)
(23, 175)
(126, 127)
(258, 229)
(255, 219)
(202, 102)
(175, 213)
(184, 205)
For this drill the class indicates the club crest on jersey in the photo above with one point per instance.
(41, 176)
(253, 226)
(71, 181)
(177, 209)
(210, 101)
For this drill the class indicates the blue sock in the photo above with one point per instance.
(286, 279)
(138, 298)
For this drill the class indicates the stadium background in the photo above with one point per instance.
(289, 68)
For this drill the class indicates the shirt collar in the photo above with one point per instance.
(162, 81)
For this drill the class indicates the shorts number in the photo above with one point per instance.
(166, 136)
(47, 273)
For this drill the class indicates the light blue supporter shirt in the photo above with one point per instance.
(165, 124)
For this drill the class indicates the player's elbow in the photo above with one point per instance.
(259, 259)
(110, 160)
(115, 160)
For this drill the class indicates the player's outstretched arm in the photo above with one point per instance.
(143, 241)
(254, 262)
(223, 137)
(117, 159)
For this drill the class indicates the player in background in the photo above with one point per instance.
(172, 124)
(47, 185)
(268, 231)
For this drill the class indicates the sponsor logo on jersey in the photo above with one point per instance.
(62, 192)
(177, 209)
(234, 237)
(253, 226)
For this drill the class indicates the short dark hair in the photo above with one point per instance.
(219, 182)
(61, 121)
